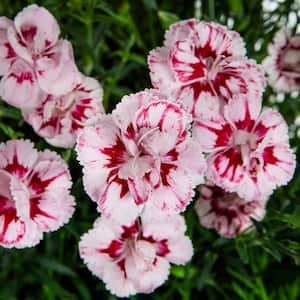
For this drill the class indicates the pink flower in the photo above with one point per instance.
(135, 258)
(143, 152)
(59, 118)
(283, 63)
(249, 150)
(19, 87)
(227, 212)
(203, 65)
(7, 54)
(34, 194)
(32, 41)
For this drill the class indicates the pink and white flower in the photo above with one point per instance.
(34, 194)
(19, 87)
(59, 118)
(32, 41)
(249, 150)
(143, 152)
(203, 65)
(227, 212)
(135, 258)
(283, 63)
(7, 54)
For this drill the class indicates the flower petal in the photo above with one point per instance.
(57, 73)
(37, 28)
(20, 88)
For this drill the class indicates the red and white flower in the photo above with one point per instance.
(203, 65)
(135, 258)
(249, 150)
(59, 118)
(34, 194)
(32, 41)
(227, 212)
(283, 63)
(143, 152)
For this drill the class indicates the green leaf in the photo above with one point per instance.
(294, 219)
(56, 267)
(236, 6)
(241, 248)
(178, 271)
(167, 18)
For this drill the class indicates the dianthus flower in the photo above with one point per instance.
(34, 194)
(59, 118)
(34, 61)
(142, 152)
(202, 65)
(227, 212)
(135, 258)
(283, 63)
(249, 149)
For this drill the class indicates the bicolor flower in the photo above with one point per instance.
(34, 194)
(203, 65)
(283, 63)
(226, 212)
(58, 118)
(7, 54)
(42, 60)
(143, 152)
(135, 258)
(249, 150)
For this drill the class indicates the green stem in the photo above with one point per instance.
(211, 9)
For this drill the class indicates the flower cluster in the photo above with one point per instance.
(139, 162)
(203, 66)
(41, 78)
(202, 125)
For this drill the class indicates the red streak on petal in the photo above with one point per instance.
(224, 134)
(269, 157)
(78, 113)
(15, 168)
(246, 124)
(10, 51)
(52, 122)
(221, 81)
(116, 154)
(47, 43)
(171, 155)
(35, 210)
(121, 264)
(205, 51)
(130, 132)
(234, 162)
(114, 250)
(165, 169)
(22, 77)
(38, 185)
(261, 130)
(9, 214)
(130, 231)
(29, 33)
(169, 108)
(162, 248)
(124, 186)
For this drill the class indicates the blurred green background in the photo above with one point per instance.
(111, 41)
